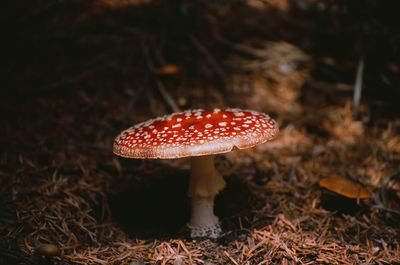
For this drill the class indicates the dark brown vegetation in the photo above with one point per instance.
(78, 72)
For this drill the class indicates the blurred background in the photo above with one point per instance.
(76, 73)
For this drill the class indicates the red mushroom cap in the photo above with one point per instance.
(195, 133)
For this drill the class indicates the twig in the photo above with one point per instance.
(390, 210)
(186, 251)
(211, 60)
(380, 200)
(229, 257)
(358, 87)
(353, 177)
(384, 185)
(257, 53)
(161, 88)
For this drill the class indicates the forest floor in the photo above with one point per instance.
(79, 72)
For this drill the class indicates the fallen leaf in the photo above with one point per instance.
(345, 187)
(168, 69)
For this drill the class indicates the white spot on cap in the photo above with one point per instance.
(208, 115)
(179, 119)
(238, 114)
(208, 125)
(176, 125)
(222, 123)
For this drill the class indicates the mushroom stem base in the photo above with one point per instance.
(205, 183)
(208, 232)
(203, 222)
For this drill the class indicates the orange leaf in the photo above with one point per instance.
(168, 69)
(345, 187)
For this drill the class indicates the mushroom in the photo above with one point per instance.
(198, 134)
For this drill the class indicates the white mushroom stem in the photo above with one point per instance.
(205, 183)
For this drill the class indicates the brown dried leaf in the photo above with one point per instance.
(345, 187)
(168, 69)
